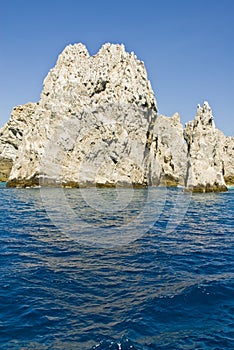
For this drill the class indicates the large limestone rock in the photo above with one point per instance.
(168, 154)
(96, 124)
(93, 125)
(205, 153)
(228, 160)
(11, 135)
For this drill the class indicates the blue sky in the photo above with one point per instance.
(187, 47)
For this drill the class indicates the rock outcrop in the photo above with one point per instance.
(205, 152)
(228, 161)
(11, 135)
(5, 168)
(168, 156)
(93, 124)
(96, 124)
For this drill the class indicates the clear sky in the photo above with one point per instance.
(187, 47)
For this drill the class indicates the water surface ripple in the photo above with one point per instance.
(165, 290)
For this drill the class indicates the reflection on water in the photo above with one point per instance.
(97, 217)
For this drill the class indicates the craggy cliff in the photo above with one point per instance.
(96, 124)
(93, 124)
(205, 170)
(11, 136)
(228, 162)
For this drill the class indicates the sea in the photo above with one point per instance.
(116, 269)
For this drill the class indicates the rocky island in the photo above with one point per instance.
(96, 124)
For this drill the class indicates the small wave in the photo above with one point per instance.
(123, 344)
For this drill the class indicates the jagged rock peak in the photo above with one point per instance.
(112, 71)
(74, 51)
(99, 111)
(205, 153)
(204, 115)
(96, 123)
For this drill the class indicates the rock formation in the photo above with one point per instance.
(93, 124)
(96, 124)
(168, 161)
(11, 135)
(228, 161)
(5, 168)
(205, 150)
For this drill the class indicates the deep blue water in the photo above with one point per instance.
(164, 279)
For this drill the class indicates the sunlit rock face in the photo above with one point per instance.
(228, 160)
(11, 135)
(205, 152)
(93, 124)
(96, 124)
(168, 153)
